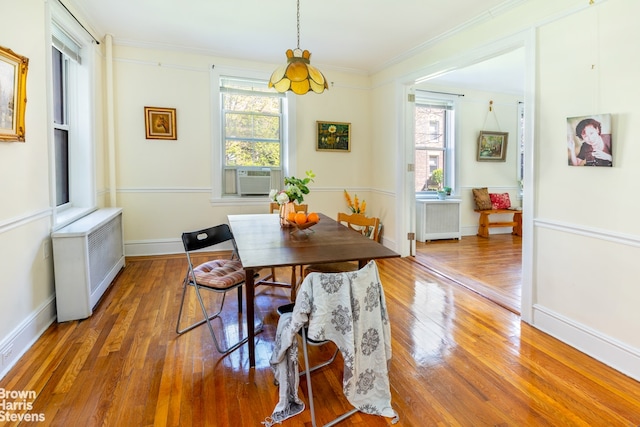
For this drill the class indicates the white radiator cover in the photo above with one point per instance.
(438, 219)
(87, 256)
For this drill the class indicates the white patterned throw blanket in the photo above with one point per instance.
(348, 309)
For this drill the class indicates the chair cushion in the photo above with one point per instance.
(219, 273)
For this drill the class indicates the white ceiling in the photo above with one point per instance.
(504, 73)
(351, 35)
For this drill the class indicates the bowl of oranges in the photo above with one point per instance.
(303, 221)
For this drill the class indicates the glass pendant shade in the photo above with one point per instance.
(298, 76)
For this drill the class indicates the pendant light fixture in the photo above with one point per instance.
(298, 75)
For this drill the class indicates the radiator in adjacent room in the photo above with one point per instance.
(87, 256)
(438, 219)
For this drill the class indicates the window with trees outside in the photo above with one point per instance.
(253, 129)
(434, 143)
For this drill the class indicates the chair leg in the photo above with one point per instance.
(209, 317)
(305, 353)
(307, 373)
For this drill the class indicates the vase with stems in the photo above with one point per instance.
(285, 210)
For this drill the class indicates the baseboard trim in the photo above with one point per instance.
(473, 230)
(607, 350)
(26, 334)
(153, 247)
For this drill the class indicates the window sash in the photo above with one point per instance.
(65, 43)
(246, 129)
(430, 148)
(61, 126)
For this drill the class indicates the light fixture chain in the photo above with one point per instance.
(298, 18)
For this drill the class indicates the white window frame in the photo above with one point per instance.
(80, 101)
(521, 149)
(451, 132)
(217, 160)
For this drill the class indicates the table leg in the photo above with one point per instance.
(294, 282)
(249, 285)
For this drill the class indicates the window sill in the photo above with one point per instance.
(67, 216)
(235, 200)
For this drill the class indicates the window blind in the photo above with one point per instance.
(65, 43)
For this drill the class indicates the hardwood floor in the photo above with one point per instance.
(490, 267)
(458, 360)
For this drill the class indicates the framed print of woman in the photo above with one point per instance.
(589, 141)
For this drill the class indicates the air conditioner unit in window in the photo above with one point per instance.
(253, 182)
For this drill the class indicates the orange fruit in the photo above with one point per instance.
(291, 216)
(313, 217)
(300, 218)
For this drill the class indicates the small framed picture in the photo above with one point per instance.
(333, 136)
(13, 95)
(160, 123)
(492, 146)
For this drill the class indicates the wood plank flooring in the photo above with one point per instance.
(490, 267)
(458, 360)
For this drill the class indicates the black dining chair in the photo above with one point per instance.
(218, 276)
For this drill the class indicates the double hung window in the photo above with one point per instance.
(253, 127)
(434, 143)
(73, 169)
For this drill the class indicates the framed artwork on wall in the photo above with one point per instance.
(492, 146)
(160, 123)
(589, 140)
(333, 136)
(13, 95)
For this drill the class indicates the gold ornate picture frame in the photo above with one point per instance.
(160, 123)
(333, 136)
(13, 95)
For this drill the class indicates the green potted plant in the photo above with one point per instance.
(447, 190)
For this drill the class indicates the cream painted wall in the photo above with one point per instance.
(164, 187)
(26, 276)
(588, 236)
(384, 155)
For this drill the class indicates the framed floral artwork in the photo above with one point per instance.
(333, 136)
(160, 123)
(13, 95)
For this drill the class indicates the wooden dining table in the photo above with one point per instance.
(263, 243)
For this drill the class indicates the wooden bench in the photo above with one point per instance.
(484, 224)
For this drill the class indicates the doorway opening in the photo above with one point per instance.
(465, 261)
